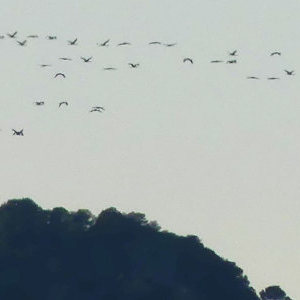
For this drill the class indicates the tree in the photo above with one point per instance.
(63, 255)
(273, 293)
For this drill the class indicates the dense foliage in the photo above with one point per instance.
(61, 255)
(273, 292)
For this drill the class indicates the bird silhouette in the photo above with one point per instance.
(97, 109)
(23, 43)
(109, 69)
(65, 58)
(187, 59)
(86, 59)
(39, 103)
(12, 35)
(252, 77)
(73, 42)
(63, 103)
(155, 43)
(289, 72)
(44, 65)
(216, 61)
(233, 53)
(275, 53)
(231, 61)
(33, 36)
(15, 132)
(104, 44)
(170, 45)
(51, 37)
(60, 74)
(273, 78)
(133, 65)
(124, 44)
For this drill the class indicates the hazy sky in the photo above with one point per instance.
(196, 147)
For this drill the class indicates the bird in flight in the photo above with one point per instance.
(65, 58)
(104, 44)
(33, 36)
(233, 53)
(109, 69)
(60, 74)
(18, 132)
(73, 42)
(289, 72)
(97, 108)
(12, 35)
(86, 59)
(124, 44)
(187, 59)
(216, 61)
(231, 61)
(170, 45)
(51, 37)
(44, 65)
(275, 53)
(273, 78)
(252, 77)
(23, 43)
(133, 65)
(155, 43)
(39, 103)
(63, 103)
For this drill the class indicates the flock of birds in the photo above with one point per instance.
(22, 43)
(234, 61)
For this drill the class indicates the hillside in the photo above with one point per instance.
(61, 255)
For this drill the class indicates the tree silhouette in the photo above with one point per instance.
(273, 293)
(62, 255)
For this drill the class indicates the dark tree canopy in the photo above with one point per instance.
(61, 255)
(273, 293)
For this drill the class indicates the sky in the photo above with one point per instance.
(199, 148)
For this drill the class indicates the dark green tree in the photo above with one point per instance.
(273, 292)
(62, 255)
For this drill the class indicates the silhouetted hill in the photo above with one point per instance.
(61, 255)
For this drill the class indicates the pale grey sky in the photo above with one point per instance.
(198, 148)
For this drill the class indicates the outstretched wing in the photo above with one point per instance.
(60, 74)
(155, 43)
(73, 42)
(188, 59)
(123, 44)
(12, 35)
(170, 45)
(109, 69)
